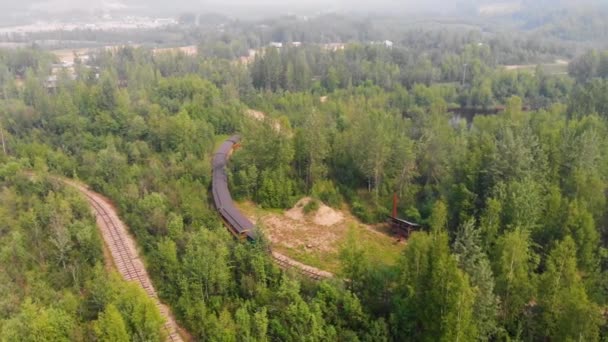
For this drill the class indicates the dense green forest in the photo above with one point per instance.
(513, 205)
(53, 283)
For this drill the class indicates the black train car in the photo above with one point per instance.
(237, 222)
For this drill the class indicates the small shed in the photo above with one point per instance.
(399, 226)
(402, 227)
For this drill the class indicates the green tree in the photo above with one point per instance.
(34, 323)
(474, 261)
(567, 312)
(370, 143)
(140, 314)
(439, 217)
(434, 301)
(490, 223)
(584, 68)
(515, 281)
(354, 262)
(312, 148)
(110, 327)
(205, 262)
(581, 227)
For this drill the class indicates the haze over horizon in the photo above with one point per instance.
(271, 7)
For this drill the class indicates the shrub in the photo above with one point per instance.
(361, 212)
(311, 206)
(326, 191)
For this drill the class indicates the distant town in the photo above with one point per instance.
(103, 23)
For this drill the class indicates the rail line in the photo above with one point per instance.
(125, 255)
(288, 264)
(236, 222)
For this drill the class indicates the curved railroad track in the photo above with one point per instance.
(239, 225)
(287, 263)
(124, 252)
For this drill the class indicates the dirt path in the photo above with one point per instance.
(124, 252)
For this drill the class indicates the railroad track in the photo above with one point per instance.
(239, 225)
(125, 256)
(308, 271)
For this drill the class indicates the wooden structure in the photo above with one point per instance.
(402, 227)
(399, 226)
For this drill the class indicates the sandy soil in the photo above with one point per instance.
(558, 62)
(255, 114)
(327, 216)
(249, 58)
(261, 116)
(67, 55)
(324, 216)
(294, 230)
(316, 238)
(190, 50)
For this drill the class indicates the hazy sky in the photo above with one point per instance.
(386, 6)
(56, 5)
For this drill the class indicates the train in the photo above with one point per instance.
(237, 223)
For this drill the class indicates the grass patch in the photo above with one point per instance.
(325, 261)
(381, 249)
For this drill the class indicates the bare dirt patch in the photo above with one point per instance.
(300, 234)
(324, 216)
(249, 58)
(255, 114)
(190, 50)
(261, 116)
(67, 56)
(297, 212)
(316, 238)
(559, 66)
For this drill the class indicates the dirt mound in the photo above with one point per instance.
(324, 216)
(327, 216)
(297, 212)
(255, 114)
(261, 116)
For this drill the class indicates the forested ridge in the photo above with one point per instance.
(513, 205)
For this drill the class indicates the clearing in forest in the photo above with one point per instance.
(316, 238)
(559, 67)
(189, 50)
